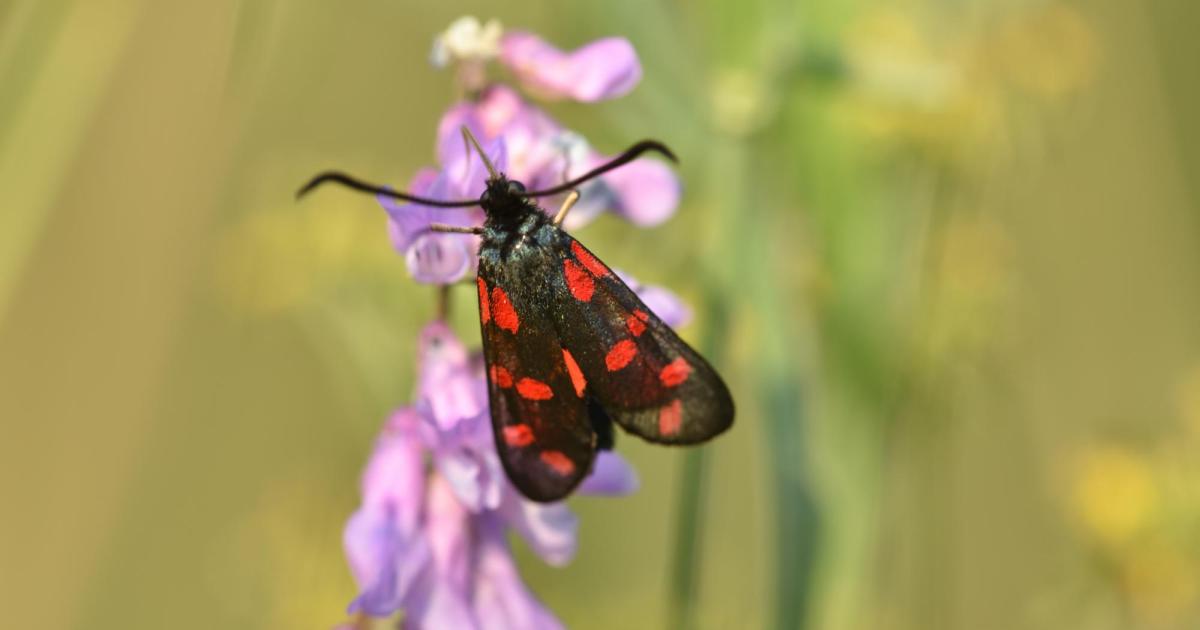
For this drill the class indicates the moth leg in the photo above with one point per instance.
(455, 229)
(568, 203)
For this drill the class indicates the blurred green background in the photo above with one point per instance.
(945, 253)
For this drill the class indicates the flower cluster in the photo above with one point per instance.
(537, 150)
(429, 538)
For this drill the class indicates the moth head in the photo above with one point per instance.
(502, 193)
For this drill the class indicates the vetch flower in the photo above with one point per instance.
(541, 152)
(604, 69)
(438, 257)
(524, 141)
(428, 538)
(466, 39)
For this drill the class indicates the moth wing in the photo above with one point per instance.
(543, 430)
(647, 379)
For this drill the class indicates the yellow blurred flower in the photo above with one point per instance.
(948, 88)
(276, 259)
(908, 87)
(741, 102)
(1114, 494)
(1049, 51)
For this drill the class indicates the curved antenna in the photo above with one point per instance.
(470, 137)
(629, 155)
(337, 177)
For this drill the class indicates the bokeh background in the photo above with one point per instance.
(945, 253)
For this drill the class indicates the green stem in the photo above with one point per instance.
(689, 534)
(685, 571)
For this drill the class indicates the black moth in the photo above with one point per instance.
(569, 347)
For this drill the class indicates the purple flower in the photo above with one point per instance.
(438, 257)
(604, 69)
(429, 536)
(536, 149)
(542, 153)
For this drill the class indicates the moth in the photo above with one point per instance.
(569, 348)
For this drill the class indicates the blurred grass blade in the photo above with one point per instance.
(48, 125)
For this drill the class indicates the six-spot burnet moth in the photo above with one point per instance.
(569, 347)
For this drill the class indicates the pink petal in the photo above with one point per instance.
(645, 192)
(449, 390)
(467, 459)
(549, 528)
(447, 530)
(501, 599)
(386, 565)
(501, 114)
(437, 602)
(611, 476)
(662, 302)
(467, 176)
(395, 476)
(435, 258)
(606, 68)
(406, 221)
(382, 541)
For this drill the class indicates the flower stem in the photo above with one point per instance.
(685, 570)
(689, 535)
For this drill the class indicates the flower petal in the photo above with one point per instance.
(449, 389)
(435, 258)
(447, 529)
(472, 468)
(440, 597)
(549, 528)
(466, 39)
(381, 539)
(645, 192)
(407, 221)
(395, 476)
(501, 599)
(386, 565)
(432, 257)
(467, 177)
(662, 302)
(611, 476)
(606, 68)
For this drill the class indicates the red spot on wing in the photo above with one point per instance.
(588, 260)
(501, 376)
(670, 418)
(558, 462)
(578, 280)
(675, 373)
(503, 311)
(485, 311)
(636, 322)
(518, 435)
(576, 374)
(531, 389)
(620, 355)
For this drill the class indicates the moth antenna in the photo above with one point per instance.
(628, 156)
(343, 179)
(470, 137)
